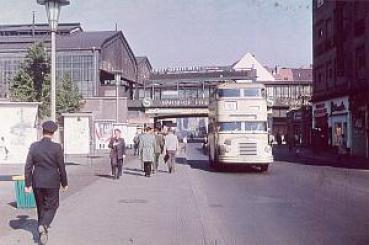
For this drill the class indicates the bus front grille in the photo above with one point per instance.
(248, 149)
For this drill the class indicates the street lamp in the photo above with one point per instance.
(118, 77)
(53, 10)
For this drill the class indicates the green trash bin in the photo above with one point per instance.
(24, 200)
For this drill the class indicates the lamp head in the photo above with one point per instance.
(53, 11)
(61, 2)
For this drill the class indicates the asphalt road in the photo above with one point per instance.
(290, 204)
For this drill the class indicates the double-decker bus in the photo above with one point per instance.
(238, 130)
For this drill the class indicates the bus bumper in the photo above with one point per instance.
(245, 160)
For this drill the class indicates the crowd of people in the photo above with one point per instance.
(153, 146)
(45, 170)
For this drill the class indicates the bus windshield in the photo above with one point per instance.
(229, 126)
(229, 93)
(256, 126)
(242, 126)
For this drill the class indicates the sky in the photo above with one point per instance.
(180, 33)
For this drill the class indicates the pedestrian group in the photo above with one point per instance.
(45, 172)
(154, 146)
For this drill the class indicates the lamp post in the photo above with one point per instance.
(53, 10)
(118, 77)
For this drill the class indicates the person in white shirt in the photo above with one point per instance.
(171, 146)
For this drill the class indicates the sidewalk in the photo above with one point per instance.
(80, 173)
(307, 156)
(133, 210)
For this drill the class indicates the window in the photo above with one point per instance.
(229, 126)
(285, 91)
(360, 57)
(229, 93)
(256, 126)
(251, 92)
(243, 126)
(270, 92)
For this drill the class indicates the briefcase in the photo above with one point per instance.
(166, 158)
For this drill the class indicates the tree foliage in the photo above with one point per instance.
(32, 84)
(67, 96)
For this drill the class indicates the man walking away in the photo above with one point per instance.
(147, 150)
(45, 172)
(159, 147)
(171, 145)
(118, 148)
(136, 141)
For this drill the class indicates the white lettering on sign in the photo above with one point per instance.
(185, 103)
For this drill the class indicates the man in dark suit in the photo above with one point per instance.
(45, 173)
(117, 153)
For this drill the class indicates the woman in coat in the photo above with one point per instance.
(147, 150)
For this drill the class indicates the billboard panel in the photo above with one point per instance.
(17, 132)
(77, 138)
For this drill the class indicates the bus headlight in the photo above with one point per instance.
(224, 149)
(268, 149)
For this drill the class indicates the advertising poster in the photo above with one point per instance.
(128, 132)
(77, 135)
(17, 132)
(103, 133)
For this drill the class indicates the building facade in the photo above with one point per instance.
(287, 89)
(89, 59)
(291, 89)
(341, 77)
(194, 85)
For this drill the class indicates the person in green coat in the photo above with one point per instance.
(147, 150)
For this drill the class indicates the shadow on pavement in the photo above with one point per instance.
(24, 223)
(107, 176)
(281, 153)
(204, 166)
(13, 204)
(133, 169)
(135, 173)
(163, 171)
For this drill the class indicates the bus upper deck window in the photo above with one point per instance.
(252, 92)
(229, 93)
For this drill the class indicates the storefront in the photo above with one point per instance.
(340, 121)
(360, 124)
(320, 130)
(332, 119)
(299, 126)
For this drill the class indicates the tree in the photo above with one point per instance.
(32, 84)
(68, 97)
